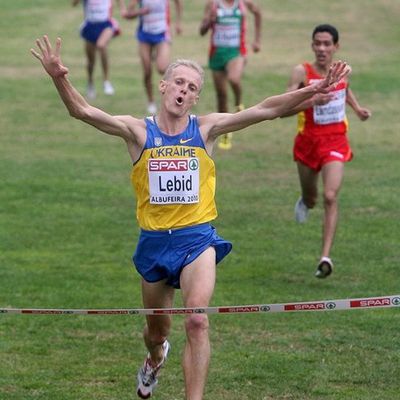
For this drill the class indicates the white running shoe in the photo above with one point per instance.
(152, 108)
(324, 268)
(147, 375)
(90, 91)
(108, 88)
(300, 211)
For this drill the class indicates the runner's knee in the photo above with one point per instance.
(330, 197)
(196, 325)
(234, 80)
(161, 68)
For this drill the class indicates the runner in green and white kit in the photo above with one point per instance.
(228, 51)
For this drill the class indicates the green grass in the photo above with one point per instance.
(68, 228)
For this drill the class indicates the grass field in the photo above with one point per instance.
(68, 228)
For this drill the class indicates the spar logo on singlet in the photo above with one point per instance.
(174, 180)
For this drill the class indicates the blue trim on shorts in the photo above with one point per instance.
(163, 254)
(151, 39)
(91, 31)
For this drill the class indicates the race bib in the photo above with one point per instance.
(97, 10)
(227, 36)
(155, 22)
(173, 180)
(334, 111)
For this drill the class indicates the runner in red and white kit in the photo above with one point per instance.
(321, 144)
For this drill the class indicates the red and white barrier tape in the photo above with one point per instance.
(320, 305)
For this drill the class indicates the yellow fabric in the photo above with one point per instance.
(169, 216)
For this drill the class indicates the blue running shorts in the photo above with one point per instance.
(151, 39)
(91, 31)
(163, 254)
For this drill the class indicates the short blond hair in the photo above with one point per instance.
(186, 63)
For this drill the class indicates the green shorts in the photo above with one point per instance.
(221, 57)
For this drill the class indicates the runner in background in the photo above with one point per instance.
(321, 145)
(154, 37)
(228, 50)
(97, 30)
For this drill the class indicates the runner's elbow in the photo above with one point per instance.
(80, 113)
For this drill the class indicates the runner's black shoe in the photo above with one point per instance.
(325, 268)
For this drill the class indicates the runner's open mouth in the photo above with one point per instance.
(179, 101)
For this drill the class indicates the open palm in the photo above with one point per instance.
(50, 58)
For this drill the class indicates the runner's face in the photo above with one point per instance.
(323, 48)
(181, 90)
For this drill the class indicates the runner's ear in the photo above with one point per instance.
(162, 86)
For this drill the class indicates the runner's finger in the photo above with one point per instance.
(36, 54)
(47, 43)
(39, 44)
(58, 47)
